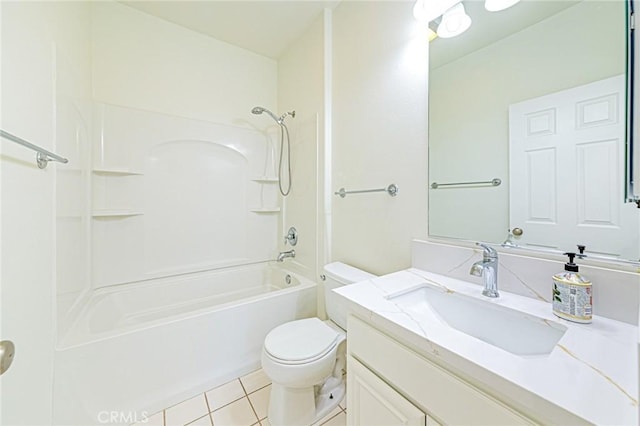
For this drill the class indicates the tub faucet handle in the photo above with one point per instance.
(291, 237)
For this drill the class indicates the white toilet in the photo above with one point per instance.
(305, 359)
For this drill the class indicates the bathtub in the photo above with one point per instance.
(138, 348)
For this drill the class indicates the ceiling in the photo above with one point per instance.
(269, 27)
(489, 27)
(265, 27)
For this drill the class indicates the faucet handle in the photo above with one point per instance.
(291, 237)
(489, 252)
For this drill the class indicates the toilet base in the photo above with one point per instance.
(304, 406)
(328, 399)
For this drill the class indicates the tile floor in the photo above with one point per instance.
(241, 402)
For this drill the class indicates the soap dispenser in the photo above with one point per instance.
(572, 294)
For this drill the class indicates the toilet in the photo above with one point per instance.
(305, 359)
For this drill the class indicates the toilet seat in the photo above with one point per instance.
(300, 342)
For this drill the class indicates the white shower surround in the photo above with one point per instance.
(173, 195)
(181, 348)
(183, 289)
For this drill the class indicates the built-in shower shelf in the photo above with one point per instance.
(266, 179)
(266, 210)
(115, 172)
(115, 213)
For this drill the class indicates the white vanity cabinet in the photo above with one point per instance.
(373, 402)
(389, 384)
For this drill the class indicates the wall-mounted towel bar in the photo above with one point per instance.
(392, 190)
(42, 157)
(492, 182)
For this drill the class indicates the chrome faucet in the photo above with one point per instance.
(283, 255)
(487, 268)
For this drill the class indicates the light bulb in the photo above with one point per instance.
(498, 5)
(454, 22)
(428, 10)
(420, 11)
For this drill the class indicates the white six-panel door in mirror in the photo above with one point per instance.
(575, 135)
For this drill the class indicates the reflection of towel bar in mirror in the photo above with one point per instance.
(492, 182)
(392, 190)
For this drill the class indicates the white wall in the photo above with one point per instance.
(379, 133)
(469, 99)
(194, 88)
(39, 41)
(188, 201)
(141, 61)
(300, 88)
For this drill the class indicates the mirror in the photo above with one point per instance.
(527, 129)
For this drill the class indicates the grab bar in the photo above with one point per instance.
(392, 190)
(492, 182)
(42, 157)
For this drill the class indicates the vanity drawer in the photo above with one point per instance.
(445, 396)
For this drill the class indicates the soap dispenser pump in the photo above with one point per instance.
(572, 299)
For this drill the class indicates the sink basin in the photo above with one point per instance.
(511, 330)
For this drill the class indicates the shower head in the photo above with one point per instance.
(259, 110)
(283, 131)
(280, 120)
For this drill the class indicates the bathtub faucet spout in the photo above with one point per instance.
(283, 255)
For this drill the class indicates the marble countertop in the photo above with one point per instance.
(592, 372)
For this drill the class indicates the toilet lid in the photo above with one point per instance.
(300, 340)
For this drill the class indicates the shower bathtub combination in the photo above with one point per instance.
(146, 346)
(185, 222)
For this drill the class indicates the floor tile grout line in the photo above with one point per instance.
(255, 413)
(227, 404)
(331, 418)
(243, 388)
(206, 400)
(254, 391)
(210, 411)
(246, 395)
(234, 401)
(230, 402)
(195, 420)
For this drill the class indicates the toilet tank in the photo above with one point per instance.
(338, 274)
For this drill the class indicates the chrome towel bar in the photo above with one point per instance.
(392, 190)
(492, 182)
(42, 157)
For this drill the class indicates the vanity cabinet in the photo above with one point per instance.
(389, 383)
(374, 402)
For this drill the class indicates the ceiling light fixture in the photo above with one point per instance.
(428, 10)
(498, 5)
(454, 22)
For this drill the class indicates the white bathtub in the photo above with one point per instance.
(138, 348)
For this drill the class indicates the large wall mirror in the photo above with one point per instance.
(527, 129)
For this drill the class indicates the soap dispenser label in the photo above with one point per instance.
(572, 301)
